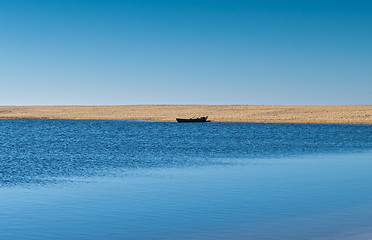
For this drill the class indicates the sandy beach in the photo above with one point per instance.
(347, 114)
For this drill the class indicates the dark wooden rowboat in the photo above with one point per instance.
(198, 119)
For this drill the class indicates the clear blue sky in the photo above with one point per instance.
(185, 52)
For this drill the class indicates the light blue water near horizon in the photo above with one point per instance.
(66, 179)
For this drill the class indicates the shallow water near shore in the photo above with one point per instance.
(65, 179)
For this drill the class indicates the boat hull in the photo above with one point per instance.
(200, 119)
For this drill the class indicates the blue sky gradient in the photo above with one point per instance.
(63, 52)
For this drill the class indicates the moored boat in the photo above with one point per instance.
(198, 119)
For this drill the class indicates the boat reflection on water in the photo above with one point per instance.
(198, 119)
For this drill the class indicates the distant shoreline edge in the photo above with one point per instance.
(327, 114)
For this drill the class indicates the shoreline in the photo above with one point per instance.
(327, 114)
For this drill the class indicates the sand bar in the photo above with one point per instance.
(342, 114)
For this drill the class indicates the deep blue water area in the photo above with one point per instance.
(85, 179)
(33, 150)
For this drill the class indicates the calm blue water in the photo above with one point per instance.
(62, 179)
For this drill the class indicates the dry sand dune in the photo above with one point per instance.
(350, 114)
